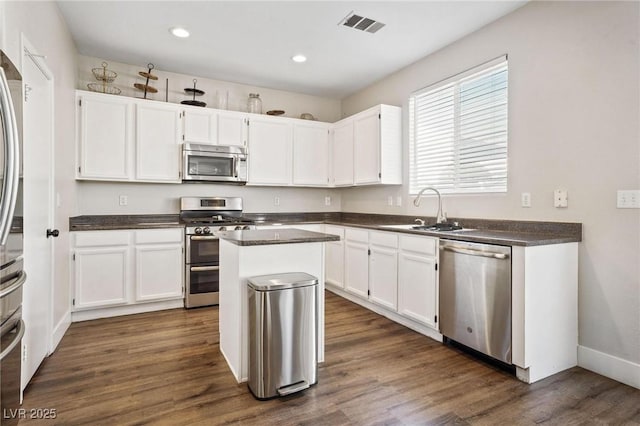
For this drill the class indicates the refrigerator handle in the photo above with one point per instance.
(11, 159)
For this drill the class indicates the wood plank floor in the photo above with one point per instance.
(166, 368)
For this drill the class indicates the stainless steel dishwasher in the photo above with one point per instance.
(475, 296)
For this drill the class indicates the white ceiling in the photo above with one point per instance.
(252, 42)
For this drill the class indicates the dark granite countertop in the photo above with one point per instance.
(274, 236)
(111, 222)
(505, 232)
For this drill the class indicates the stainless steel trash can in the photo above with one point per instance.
(283, 333)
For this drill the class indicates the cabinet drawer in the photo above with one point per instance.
(360, 235)
(150, 236)
(385, 239)
(424, 245)
(101, 238)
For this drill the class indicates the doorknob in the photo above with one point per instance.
(53, 233)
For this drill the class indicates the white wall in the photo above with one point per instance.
(293, 104)
(149, 198)
(573, 124)
(42, 25)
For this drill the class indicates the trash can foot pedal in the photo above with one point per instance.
(293, 388)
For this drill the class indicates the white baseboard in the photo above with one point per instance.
(59, 330)
(115, 311)
(609, 366)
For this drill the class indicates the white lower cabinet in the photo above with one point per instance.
(334, 257)
(418, 279)
(383, 269)
(356, 262)
(126, 267)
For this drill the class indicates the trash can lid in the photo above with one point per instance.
(281, 281)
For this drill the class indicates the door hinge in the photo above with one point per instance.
(368, 292)
(379, 116)
(368, 252)
(79, 169)
(435, 319)
(74, 256)
(380, 175)
(73, 302)
(182, 137)
(79, 102)
(436, 266)
(248, 122)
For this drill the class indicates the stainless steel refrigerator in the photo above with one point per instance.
(12, 275)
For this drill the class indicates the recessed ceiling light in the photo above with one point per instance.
(179, 32)
(299, 58)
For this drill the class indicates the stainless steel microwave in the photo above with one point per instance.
(214, 163)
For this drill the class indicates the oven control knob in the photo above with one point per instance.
(198, 230)
(222, 228)
(238, 228)
(206, 230)
(246, 227)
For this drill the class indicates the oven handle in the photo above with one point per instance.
(203, 238)
(16, 340)
(20, 280)
(204, 268)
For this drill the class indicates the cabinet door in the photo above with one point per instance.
(200, 126)
(383, 276)
(334, 253)
(159, 271)
(101, 276)
(417, 287)
(366, 134)
(104, 137)
(269, 151)
(342, 154)
(157, 142)
(232, 128)
(356, 268)
(311, 154)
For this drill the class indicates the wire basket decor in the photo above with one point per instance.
(103, 74)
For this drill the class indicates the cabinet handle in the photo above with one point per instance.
(22, 278)
(476, 252)
(16, 340)
(204, 268)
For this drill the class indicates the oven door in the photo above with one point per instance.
(203, 250)
(208, 166)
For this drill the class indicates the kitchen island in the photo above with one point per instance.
(244, 254)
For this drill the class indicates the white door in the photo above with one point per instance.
(417, 287)
(101, 276)
(200, 126)
(232, 128)
(38, 214)
(270, 151)
(366, 134)
(383, 276)
(159, 271)
(157, 142)
(343, 153)
(311, 154)
(356, 268)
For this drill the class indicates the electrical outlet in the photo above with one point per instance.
(123, 200)
(628, 199)
(560, 198)
(327, 200)
(398, 201)
(526, 199)
(276, 201)
(389, 200)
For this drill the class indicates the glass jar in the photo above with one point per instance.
(254, 103)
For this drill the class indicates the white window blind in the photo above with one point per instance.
(458, 132)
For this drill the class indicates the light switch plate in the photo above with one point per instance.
(526, 199)
(628, 199)
(327, 200)
(123, 200)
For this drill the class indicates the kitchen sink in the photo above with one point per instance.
(436, 227)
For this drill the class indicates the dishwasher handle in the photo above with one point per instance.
(472, 252)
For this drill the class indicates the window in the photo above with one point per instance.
(458, 132)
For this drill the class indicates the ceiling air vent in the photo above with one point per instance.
(361, 23)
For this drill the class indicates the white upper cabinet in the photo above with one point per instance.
(311, 153)
(200, 126)
(231, 128)
(157, 142)
(270, 150)
(342, 153)
(104, 137)
(377, 136)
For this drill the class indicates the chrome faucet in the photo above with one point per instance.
(440, 218)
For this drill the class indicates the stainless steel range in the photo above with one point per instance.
(203, 217)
